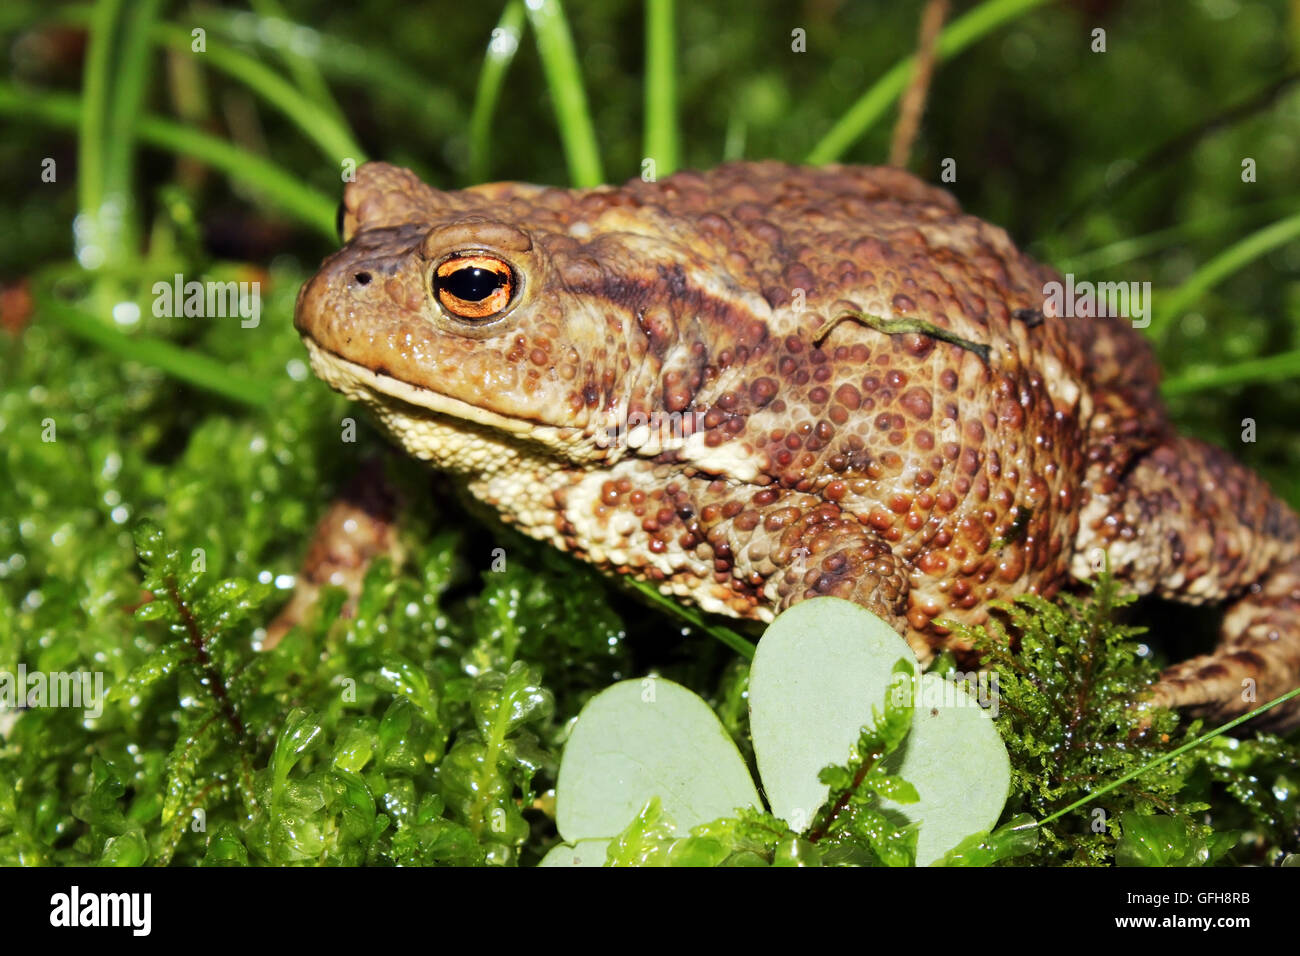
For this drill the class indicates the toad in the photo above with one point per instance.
(765, 383)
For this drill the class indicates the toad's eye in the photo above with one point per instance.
(474, 286)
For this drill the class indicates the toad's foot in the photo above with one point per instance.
(1190, 524)
(1258, 660)
(357, 528)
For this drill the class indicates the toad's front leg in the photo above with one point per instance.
(819, 551)
(357, 528)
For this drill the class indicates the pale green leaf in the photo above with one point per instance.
(641, 739)
(582, 853)
(816, 674)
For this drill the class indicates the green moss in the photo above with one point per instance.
(1068, 688)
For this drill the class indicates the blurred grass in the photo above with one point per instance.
(872, 105)
(315, 118)
(661, 143)
(568, 96)
(280, 187)
(501, 49)
(1235, 257)
(183, 364)
(1028, 110)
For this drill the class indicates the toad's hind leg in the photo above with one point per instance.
(1188, 523)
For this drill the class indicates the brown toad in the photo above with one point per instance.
(700, 382)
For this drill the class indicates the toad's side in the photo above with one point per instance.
(766, 383)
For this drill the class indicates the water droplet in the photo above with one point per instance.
(126, 313)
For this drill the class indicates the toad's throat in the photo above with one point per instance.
(453, 435)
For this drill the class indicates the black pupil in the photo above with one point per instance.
(473, 284)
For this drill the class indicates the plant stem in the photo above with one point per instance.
(564, 81)
(501, 50)
(958, 35)
(216, 684)
(823, 828)
(1165, 758)
(912, 105)
(661, 139)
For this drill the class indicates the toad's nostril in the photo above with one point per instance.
(362, 278)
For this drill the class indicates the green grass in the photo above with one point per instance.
(316, 119)
(568, 96)
(501, 50)
(871, 106)
(279, 187)
(1232, 259)
(661, 135)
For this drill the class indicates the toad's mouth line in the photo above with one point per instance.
(363, 384)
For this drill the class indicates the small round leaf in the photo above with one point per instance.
(641, 739)
(818, 670)
(582, 853)
(955, 758)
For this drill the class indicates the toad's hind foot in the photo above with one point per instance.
(1188, 523)
(1258, 660)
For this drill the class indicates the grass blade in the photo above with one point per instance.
(564, 81)
(132, 74)
(93, 231)
(316, 122)
(305, 73)
(1127, 250)
(661, 139)
(286, 190)
(1269, 368)
(501, 50)
(1165, 758)
(436, 111)
(958, 35)
(179, 363)
(379, 73)
(741, 645)
(1236, 256)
